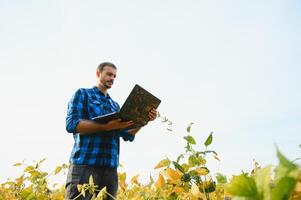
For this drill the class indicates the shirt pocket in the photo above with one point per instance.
(95, 108)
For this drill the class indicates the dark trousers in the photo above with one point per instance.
(102, 177)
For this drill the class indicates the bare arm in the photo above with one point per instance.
(86, 127)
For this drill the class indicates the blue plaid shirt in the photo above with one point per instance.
(99, 149)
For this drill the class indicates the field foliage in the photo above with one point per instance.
(187, 178)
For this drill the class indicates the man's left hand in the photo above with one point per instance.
(152, 114)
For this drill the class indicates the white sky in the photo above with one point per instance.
(230, 67)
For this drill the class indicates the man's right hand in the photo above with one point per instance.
(118, 124)
(86, 127)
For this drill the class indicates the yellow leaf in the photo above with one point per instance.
(29, 168)
(195, 191)
(91, 182)
(134, 180)
(102, 193)
(122, 180)
(83, 192)
(207, 186)
(17, 164)
(34, 173)
(57, 170)
(122, 176)
(163, 163)
(79, 187)
(173, 174)
(178, 190)
(202, 171)
(19, 181)
(298, 187)
(160, 182)
(65, 166)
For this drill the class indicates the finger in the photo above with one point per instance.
(152, 115)
(127, 124)
(153, 110)
(152, 118)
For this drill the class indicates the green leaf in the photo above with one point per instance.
(285, 168)
(185, 167)
(286, 174)
(192, 161)
(57, 170)
(180, 157)
(263, 180)
(284, 161)
(243, 186)
(284, 188)
(209, 140)
(201, 161)
(190, 139)
(151, 179)
(189, 127)
(221, 178)
(178, 166)
(188, 148)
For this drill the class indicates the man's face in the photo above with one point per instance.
(107, 76)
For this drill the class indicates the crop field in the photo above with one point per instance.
(186, 178)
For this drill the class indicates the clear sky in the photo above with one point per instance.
(231, 67)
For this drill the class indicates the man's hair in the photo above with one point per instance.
(105, 64)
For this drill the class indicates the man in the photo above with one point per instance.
(96, 147)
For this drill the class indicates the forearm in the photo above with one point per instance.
(85, 127)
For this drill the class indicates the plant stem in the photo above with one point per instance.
(111, 196)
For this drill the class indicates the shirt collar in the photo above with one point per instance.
(100, 93)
